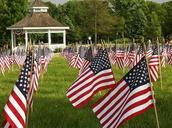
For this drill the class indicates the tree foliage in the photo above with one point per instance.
(107, 19)
(10, 13)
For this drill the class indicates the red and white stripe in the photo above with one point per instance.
(2, 65)
(120, 105)
(6, 61)
(31, 91)
(112, 57)
(15, 109)
(138, 58)
(89, 84)
(163, 58)
(6, 125)
(84, 66)
(76, 61)
(149, 53)
(153, 66)
(120, 55)
(37, 69)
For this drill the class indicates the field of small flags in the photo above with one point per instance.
(55, 99)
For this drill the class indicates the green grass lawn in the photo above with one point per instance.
(51, 108)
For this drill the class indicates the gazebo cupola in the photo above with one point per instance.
(38, 6)
(38, 20)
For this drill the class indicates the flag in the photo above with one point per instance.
(86, 60)
(130, 97)
(153, 64)
(2, 65)
(76, 61)
(120, 55)
(139, 54)
(37, 70)
(130, 57)
(98, 76)
(16, 108)
(163, 56)
(112, 55)
(6, 61)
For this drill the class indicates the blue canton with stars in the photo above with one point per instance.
(138, 75)
(100, 62)
(22, 82)
(141, 49)
(89, 55)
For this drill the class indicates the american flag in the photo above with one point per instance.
(6, 61)
(48, 56)
(169, 54)
(130, 97)
(86, 60)
(98, 76)
(37, 70)
(149, 52)
(16, 108)
(163, 56)
(112, 55)
(42, 59)
(130, 57)
(139, 54)
(120, 55)
(2, 65)
(76, 61)
(153, 64)
(31, 87)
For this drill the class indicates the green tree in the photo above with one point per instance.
(153, 26)
(10, 13)
(167, 23)
(132, 12)
(98, 18)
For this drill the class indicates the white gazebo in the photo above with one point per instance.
(38, 20)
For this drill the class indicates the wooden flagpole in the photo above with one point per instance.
(152, 92)
(124, 50)
(159, 58)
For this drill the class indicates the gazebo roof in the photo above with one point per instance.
(38, 3)
(38, 19)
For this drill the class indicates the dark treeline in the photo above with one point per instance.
(102, 20)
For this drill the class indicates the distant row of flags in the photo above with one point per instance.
(21, 98)
(158, 56)
(127, 98)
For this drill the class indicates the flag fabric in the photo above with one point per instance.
(139, 54)
(98, 76)
(88, 57)
(16, 108)
(163, 57)
(130, 97)
(76, 61)
(37, 70)
(120, 55)
(130, 57)
(2, 66)
(112, 57)
(31, 87)
(153, 64)
(6, 61)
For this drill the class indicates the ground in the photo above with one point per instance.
(52, 109)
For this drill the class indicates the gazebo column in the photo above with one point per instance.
(12, 40)
(64, 38)
(26, 39)
(49, 38)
